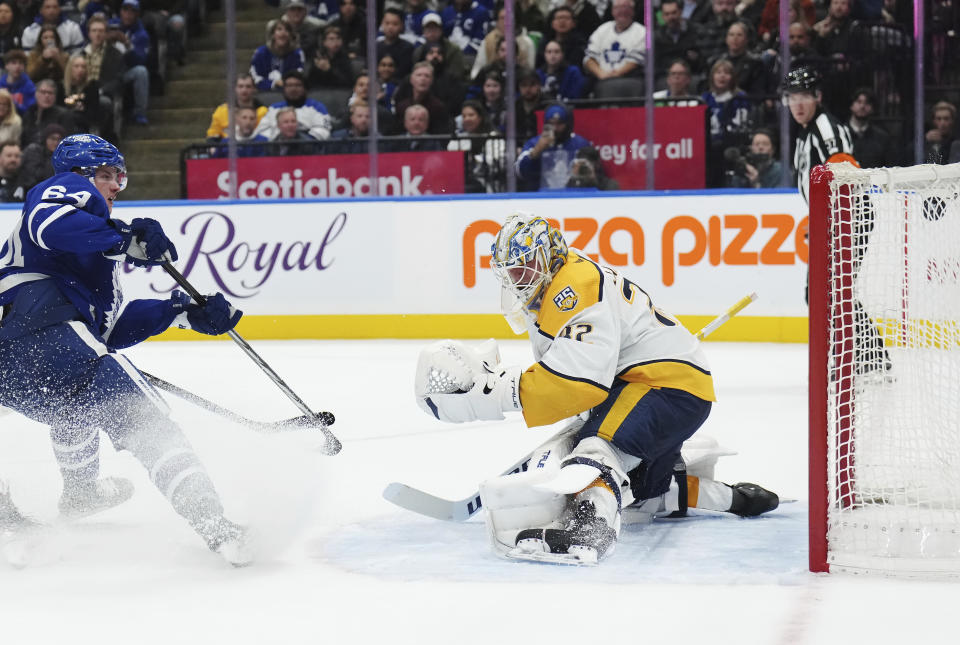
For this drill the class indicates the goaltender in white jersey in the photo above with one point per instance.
(638, 379)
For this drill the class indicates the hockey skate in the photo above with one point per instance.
(230, 540)
(750, 500)
(584, 540)
(10, 516)
(18, 533)
(86, 498)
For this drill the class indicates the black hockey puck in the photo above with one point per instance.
(934, 208)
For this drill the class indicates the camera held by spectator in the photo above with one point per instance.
(736, 165)
(586, 171)
(758, 168)
(583, 174)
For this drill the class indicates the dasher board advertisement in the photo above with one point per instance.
(420, 268)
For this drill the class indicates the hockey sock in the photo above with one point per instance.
(176, 471)
(708, 494)
(77, 450)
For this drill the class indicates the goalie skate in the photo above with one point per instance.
(585, 539)
(750, 500)
(534, 546)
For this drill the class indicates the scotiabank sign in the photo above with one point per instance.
(402, 174)
(619, 135)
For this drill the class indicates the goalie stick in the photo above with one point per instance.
(422, 502)
(418, 501)
(333, 444)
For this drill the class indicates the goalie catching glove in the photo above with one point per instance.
(457, 383)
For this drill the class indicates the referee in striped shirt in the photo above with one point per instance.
(823, 139)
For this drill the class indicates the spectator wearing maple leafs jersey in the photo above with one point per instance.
(466, 23)
(616, 53)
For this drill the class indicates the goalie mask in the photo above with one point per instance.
(526, 255)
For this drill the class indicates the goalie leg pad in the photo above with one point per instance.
(513, 504)
(516, 502)
(594, 475)
(700, 454)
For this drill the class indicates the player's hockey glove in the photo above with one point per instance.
(216, 317)
(144, 243)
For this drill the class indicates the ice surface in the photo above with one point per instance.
(338, 562)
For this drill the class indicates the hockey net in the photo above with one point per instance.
(885, 369)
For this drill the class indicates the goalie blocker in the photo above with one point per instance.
(603, 351)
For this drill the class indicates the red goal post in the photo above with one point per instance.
(884, 357)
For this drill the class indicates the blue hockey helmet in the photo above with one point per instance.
(87, 152)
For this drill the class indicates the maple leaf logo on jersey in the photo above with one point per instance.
(566, 300)
(615, 54)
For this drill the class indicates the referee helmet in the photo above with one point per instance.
(802, 79)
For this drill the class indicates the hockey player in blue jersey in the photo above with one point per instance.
(63, 318)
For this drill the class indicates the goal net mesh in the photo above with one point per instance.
(893, 447)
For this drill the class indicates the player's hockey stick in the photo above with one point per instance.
(418, 501)
(322, 420)
(333, 444)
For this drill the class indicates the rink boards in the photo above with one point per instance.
(418, 268)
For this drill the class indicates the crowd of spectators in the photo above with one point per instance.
(74, 66)
(441, 68)
(92, 66)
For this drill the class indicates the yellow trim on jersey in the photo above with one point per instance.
(693, 491)
(547, 397)
(626, 401)
(673, 374)
(580, 275)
